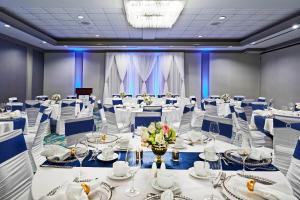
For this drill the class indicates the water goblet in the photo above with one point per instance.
(134, 165)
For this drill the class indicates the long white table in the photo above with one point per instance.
(46, 179)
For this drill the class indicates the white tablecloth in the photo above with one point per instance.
(48, 178)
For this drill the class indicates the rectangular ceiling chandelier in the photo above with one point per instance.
(153, 13)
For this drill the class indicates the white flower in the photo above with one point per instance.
(151, 128)
(159, 138)
(145, 134)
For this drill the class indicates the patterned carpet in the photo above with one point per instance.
(54, 138)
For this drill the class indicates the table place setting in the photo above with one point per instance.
(10, 115)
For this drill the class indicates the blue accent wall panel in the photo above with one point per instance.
(78, 69)
(205, 75)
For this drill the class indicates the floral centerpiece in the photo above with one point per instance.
(144, 94)
(158, 136)
(147, 100)
(168, 94)
(56, 98)
(122, 95)
(226, 98)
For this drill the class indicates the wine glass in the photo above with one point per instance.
(214, 130)
(244, 149)
(134, 165)
(215, 170)
(291, 106)
(81, 151)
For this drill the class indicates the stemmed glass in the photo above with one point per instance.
(81, 151)
(291, 106)
(214, 130)
(134, 164)
(244, 150)
(214, 176)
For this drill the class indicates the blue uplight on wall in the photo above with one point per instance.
(78, 69)
(205, 75)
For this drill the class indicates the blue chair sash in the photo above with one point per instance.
(146, 121)
(117, 102)
(44, 117)
(245, 104)
(161, 95)
(116, 95)
(193, 99)
(68, 104)
(128, 95)
(139, 101)
(43, 108)
(111, 109)
(171, 101)
(12, 147)
(258, 106)
(214, 103)
(14, 107)
(37, 105)
(80, 105)
(91, 100)
(73, 128)
(297, 151)
(225, 129)
(19, 123)
(281, 124)
(261, 100)
(231, 108)
(187, 109)
(100, 106)
(152, 110)
(202, 105)
(238, 98)
(242, 116)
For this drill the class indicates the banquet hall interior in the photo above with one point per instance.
(149, 100)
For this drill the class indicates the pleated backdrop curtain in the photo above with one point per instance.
(137, 73)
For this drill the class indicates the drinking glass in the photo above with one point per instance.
(214, 130)
(134, 165)
(291, 106)
(81, 151)
(244, 150)
(215, 170)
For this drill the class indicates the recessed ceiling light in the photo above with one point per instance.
(230, 46)
(7, 25)
(253, 43)
(44, 42)
(80, 17)
(222, 17)
(124, 46)
(66, 46)
(97, 35)
(295, 26)
(199, 36)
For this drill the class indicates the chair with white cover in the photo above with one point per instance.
(152, 109)
(193, 99)
(225, 127)
(239, 98)
(286, 134)
(259, 105)
(146, 118)
(32, 108)
(293, 173)
(261, 99)
(42, 97)
(246, 104)
(71, 97)
(13, 99)
(67, 111)
(101, 111)
(117, 101)
(36, 147)
(211, 107)
(297, 106)
(78, 128)
(15, 168)
(13, 106)
(112, 126)
(214, 96)
(171, 101)
(161, 95)
(185, 123)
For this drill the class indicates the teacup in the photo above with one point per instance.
(201, 168)
(120, 168)
(165, 179)
(107, 152)
(210, 153)
(123, 143)
(179, 142)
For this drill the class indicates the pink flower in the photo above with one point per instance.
(165, 129)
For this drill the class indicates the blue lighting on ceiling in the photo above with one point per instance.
(205, 75)
(76, 49)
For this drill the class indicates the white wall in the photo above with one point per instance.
(235, 73)
(94, 72)
(280, 75)
(59, 72)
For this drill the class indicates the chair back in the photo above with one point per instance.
(71, 97)
(242, 125)
(161, 95)
(246, 104)
(146, 118)
(186, 119)
(13, 106)
(171, 101)
(139, 101)
(68, 109)
(210, 106)
(214, 96)
(112, 126)
(297, 106)
(258, 105)
(42, 97)
(78, 128)
(15, 168)
(293, 173)
(12, 99)
(32, 108)
(239, 98)
(225, 126)
(117, 102)
(286, 134)
(193, 98)
(101, 111)
(152, 109)
(261, 99)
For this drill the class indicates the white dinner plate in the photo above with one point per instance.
(102, 158)
(202, 156)
(118, 178)
(193, 174)
(157, 187)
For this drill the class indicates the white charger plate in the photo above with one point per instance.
(102, 158)
(193, 174)
(202, 156)
(155, 185)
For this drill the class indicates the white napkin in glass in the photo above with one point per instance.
(268, 192)
(55, 152)
(260, 153)
(167, 195)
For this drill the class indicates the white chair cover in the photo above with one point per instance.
(32, 108)
(112, 126)
(293, 174)
(146, 118)
(67, 112)
(78, 128)
(101, 111)
(286, 134)
(186, 119)
(211, 107)
(15, 168)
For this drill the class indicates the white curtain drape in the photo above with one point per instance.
(165, 61)
(122, 61)
(144, 64)
(137, 73)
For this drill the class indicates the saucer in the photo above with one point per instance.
(113, 177)
(102, 158)
(155, 185)
(118, 148)
(179, 147)
(193, 174)
(202, 156)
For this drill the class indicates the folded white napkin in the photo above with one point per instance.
(55, 152)
(167, 195)
(269, 192)
(74, 191)
(298, 105)
(261, 153)
(195, 136)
